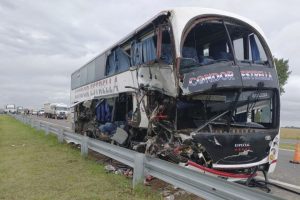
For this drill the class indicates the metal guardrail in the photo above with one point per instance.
(197, 183)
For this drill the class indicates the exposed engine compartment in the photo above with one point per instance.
(209, 130)
(121, 126)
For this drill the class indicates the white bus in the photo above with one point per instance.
(192, 85)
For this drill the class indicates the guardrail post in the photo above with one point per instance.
(84, 146)
(38, 125)
(47, 129)
(60, 135)
(31, 123)
(138, 171)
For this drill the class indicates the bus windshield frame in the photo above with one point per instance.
(217, 41)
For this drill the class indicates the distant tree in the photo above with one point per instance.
(282, 67)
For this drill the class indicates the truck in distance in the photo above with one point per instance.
(55, 110)
(20, 110)
(10, 108)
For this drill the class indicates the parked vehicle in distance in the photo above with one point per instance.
(10, 108)
(41, 112)
(56, 110)
(20, 110)
(34, 112)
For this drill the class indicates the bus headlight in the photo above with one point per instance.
(272, 155)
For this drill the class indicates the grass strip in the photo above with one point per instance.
(35, 166)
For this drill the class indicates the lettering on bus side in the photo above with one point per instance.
(211, 78)
(98, 88)
(206, 77)
(256, 75)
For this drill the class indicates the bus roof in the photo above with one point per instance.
(179, 17)
(182, 15)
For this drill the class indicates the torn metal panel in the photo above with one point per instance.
(158, 77)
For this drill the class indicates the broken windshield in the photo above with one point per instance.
(209, 43)
(252, 109)
(247, 47)
(206, 43)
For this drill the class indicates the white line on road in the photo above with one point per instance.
(281, 183)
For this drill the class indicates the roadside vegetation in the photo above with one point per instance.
(290, 133)
(287, 146)
(35, 166)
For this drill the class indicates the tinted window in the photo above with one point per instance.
(83, 76)
(100, 62)
(75, 80)
(90, 72)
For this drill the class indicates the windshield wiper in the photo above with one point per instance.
(233, 107)
(258, 91)
(211, 120)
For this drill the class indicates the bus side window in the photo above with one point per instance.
(143, 51)
(166, 48)
(117, 61)
(111, 64)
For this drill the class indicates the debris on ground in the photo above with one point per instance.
(110, 168)
(168, 192)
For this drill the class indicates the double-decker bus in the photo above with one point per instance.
(194, 86)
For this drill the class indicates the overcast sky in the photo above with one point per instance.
(43, 42)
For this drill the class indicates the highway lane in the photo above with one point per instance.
(288, 141)
(285, 173)
(61, 122)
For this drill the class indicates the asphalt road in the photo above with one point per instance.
(286, 171)
(286, 174)
(61, 122)
(288, 141)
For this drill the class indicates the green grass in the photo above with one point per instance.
(35, 166)
(287, 146)
(290, 133)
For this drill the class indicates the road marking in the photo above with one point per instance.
(281, 183)
(286, 149)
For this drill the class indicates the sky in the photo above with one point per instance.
(43, 42)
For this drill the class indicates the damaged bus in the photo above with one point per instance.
(192, 86)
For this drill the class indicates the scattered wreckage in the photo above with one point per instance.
(193, 86)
